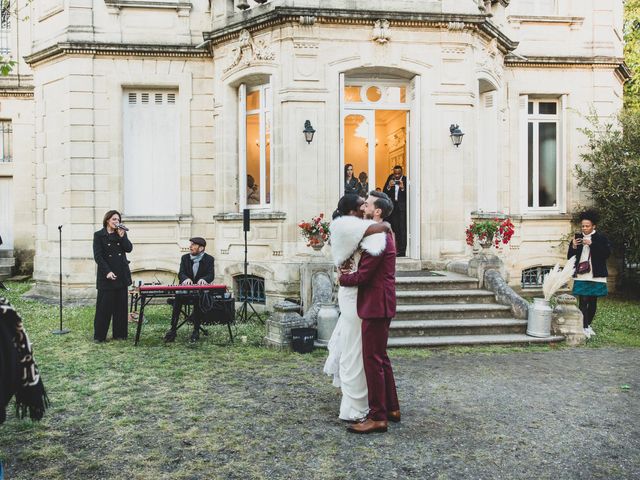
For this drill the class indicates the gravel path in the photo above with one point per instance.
(559, 414)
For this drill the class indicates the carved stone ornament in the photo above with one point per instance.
(247, 50)
(381, 31)
(490, 59)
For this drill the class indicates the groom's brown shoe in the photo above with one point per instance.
(368, 426)
(394, 416)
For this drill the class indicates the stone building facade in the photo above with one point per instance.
(170, 110)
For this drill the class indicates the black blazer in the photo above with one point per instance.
(205, 270)
(110, 253)
(600, 251)
(391, 191)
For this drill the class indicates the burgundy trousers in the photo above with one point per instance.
(383, 396)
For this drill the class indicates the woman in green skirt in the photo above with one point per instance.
(592, 248)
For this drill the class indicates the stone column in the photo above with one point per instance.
(567, 320)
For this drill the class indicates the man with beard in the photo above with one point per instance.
(376, 305)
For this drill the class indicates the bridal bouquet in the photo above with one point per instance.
(316, 231)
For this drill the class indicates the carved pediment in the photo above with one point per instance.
(248, 50)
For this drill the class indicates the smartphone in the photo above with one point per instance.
(577, 236)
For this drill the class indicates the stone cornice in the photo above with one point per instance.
(564, 62)
(23, 92)
(16, 86)
(117, 49)
(280, 15)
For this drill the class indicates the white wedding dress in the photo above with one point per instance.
(344, 361)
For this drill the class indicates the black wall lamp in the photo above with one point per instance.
(456, 135)
(308, 131)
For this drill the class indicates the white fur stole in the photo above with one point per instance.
(346, 234)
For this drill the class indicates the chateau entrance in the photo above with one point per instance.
(375, 121)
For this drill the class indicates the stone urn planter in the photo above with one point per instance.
(539, 318)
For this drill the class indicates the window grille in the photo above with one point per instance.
(534, 276)
(6, 133)
(250, 289)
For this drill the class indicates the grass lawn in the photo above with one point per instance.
(213, 410)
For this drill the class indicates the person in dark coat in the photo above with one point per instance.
(351, 183)
(110, 248)
(196, 267)
(396, 188)
(593, 248)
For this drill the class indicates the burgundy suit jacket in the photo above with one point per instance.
(376, 282)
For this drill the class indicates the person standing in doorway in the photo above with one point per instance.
(110, 248)
(396, 188)
(351, 183)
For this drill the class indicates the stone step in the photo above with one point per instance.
(416, 297)
(435, 283)
(407, 264)
(5, 272)
(6, 253)
(470, 326)
(7, 261)
(452, 311)
(455, 340)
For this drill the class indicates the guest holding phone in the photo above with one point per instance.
(110, 248)
(591, 249)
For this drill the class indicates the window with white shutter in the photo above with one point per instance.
(151, 153)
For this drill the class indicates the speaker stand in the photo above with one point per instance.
(60, 331)
(242, 312)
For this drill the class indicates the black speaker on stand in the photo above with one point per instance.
(242, 312)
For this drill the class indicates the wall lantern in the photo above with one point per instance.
(242, 4)
(456, 134)
(308, 131)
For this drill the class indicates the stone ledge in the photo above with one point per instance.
(154, 218)
(255, 215)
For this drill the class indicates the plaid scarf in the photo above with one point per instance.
(19, 374)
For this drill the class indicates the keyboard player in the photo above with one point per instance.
(196, 268)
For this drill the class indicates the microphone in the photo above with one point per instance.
(119, 225)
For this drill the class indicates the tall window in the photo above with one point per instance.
(5, 26)
(255, 146)
(151, 153)
(6, 149)
(543, 165)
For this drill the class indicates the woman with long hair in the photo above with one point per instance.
(590, 248)
(110, 248)
(351, 183)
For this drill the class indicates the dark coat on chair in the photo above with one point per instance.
(600, 251)
(206, 270)
(110, 253)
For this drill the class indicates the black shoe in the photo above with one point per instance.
(195, 336)
(170, 336)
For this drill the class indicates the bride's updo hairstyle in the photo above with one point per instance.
(348, 203)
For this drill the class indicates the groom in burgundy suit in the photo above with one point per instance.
(375, 279)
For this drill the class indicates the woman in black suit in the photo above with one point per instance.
(110, 248)
(593, 248)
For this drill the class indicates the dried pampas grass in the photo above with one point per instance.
(556, 278)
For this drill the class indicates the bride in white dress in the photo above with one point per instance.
(350, 235)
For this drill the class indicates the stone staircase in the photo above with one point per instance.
(444, 308)
(7, 262)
